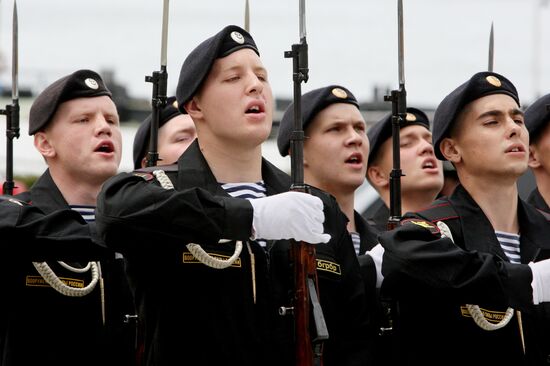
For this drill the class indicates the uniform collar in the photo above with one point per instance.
(193, 171)
(368, 235)
(45, 195)
(535, 231)
(479, 234)
(536, 199)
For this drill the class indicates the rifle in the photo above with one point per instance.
(398, 98)
(159, 79)
(310, 329)
(12, 110)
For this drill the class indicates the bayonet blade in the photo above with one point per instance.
(303, 20)
(15, 55)
(491, 49)
(401, 43)
(247, 17)
(164, 40)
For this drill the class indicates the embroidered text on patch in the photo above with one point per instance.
(327, 266)
(38, 281)
(492, 316)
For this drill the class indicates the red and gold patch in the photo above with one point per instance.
(422, 223)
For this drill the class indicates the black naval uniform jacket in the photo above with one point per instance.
(367, 233)
(203, 316)
(369, 239)
(377, 216)
(25, 229)
(432, 279)
(536, 199)
(43, 326)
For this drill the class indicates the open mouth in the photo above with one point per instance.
(429, 164)
(255, 107)
(515, 148)
(354, 159)
(105, 147)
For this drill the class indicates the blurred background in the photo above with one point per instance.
(351, 42)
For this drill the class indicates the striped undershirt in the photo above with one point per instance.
(510, 245)
(87, 212)
(248, 191)
(356, 239)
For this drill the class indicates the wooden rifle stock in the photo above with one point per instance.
(308, 346)
(309, 323)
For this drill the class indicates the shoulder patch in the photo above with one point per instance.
(422, 223)
(328, 266)
(146, 176)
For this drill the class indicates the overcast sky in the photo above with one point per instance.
(352, 42)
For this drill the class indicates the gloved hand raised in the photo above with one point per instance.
(541, 281)
(289, 215)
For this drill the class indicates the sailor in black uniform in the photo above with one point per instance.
(202, 315)
(176, 132)
(336, 151)
(469, 273)
(69, 305)
(422, 176)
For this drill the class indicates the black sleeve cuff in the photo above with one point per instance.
(238, 218)
(518, 284)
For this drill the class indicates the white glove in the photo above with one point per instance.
(376, 254)
(289, 215)
(541, 281)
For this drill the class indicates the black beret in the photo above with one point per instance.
(197, 65)
(313, 102)
(537, 116)
(382, 130)
(80, 84)
(143, 134)
(480, 85)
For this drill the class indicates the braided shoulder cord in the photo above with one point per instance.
(56, 283)
(195, 249)
(474, 310)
